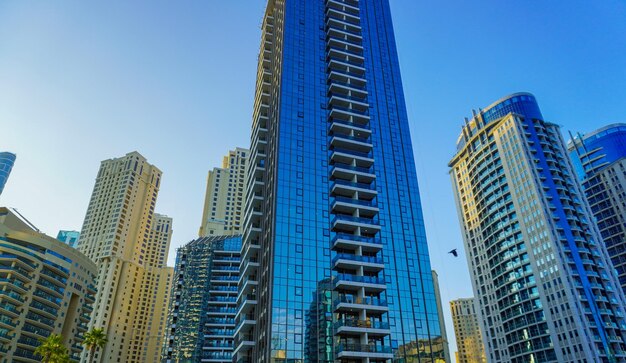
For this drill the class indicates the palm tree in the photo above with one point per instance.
(94, 339)
(52, 350)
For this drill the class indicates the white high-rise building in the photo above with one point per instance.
(546, 289)
(469, 342)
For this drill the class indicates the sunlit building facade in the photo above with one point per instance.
(469, 341)
(335, 265)
(46, 287)
(223, 205)
(203, 303)
(545, 285)
(128, 241)
(599, 158)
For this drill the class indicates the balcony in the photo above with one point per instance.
(352, 242)
(370, 304)
(371, 327)
(363, 351)
(339, 126)
(245, 321)
(343, 205)
(349, 261)
(355, 282)
(342, 6)
(343, 16)
(352, 157)
(347, 171)
(246, 303)
(344, 188)
(244, 343)
(349, 223)
(249, 266)
(361, 144)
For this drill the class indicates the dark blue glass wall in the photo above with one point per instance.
(302, 239)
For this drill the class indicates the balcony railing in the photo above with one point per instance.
(362, 348)
(360, 279)
(358, 258)
(369, 324)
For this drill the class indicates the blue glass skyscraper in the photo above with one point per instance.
(600, 161)
(202, 307)
(335, 266)
(6, 164)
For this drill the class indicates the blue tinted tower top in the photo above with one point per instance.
(335, 266)
(6, 164)
(594, 151)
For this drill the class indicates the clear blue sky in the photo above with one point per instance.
(85, 81)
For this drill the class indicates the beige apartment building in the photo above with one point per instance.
(467, 331)
(223, 204)
(46, 287)
(129, 243)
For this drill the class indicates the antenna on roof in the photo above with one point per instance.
(26, 220)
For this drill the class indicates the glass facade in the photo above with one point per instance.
(6, 164)
(335, 266)
(201, 318)
(545, 287)
(600, 161)
(69, 237)
(596, 150)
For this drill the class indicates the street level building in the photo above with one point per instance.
(335, 265)
(128, 242)
(46, 287)
(545, 285)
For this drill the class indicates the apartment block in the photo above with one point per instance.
(128, 242)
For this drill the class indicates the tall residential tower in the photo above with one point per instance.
(600, 160)
(223, 203)
(335, 265)
(469, 341)
(545, 285)
(129, 244)
(201, 318)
